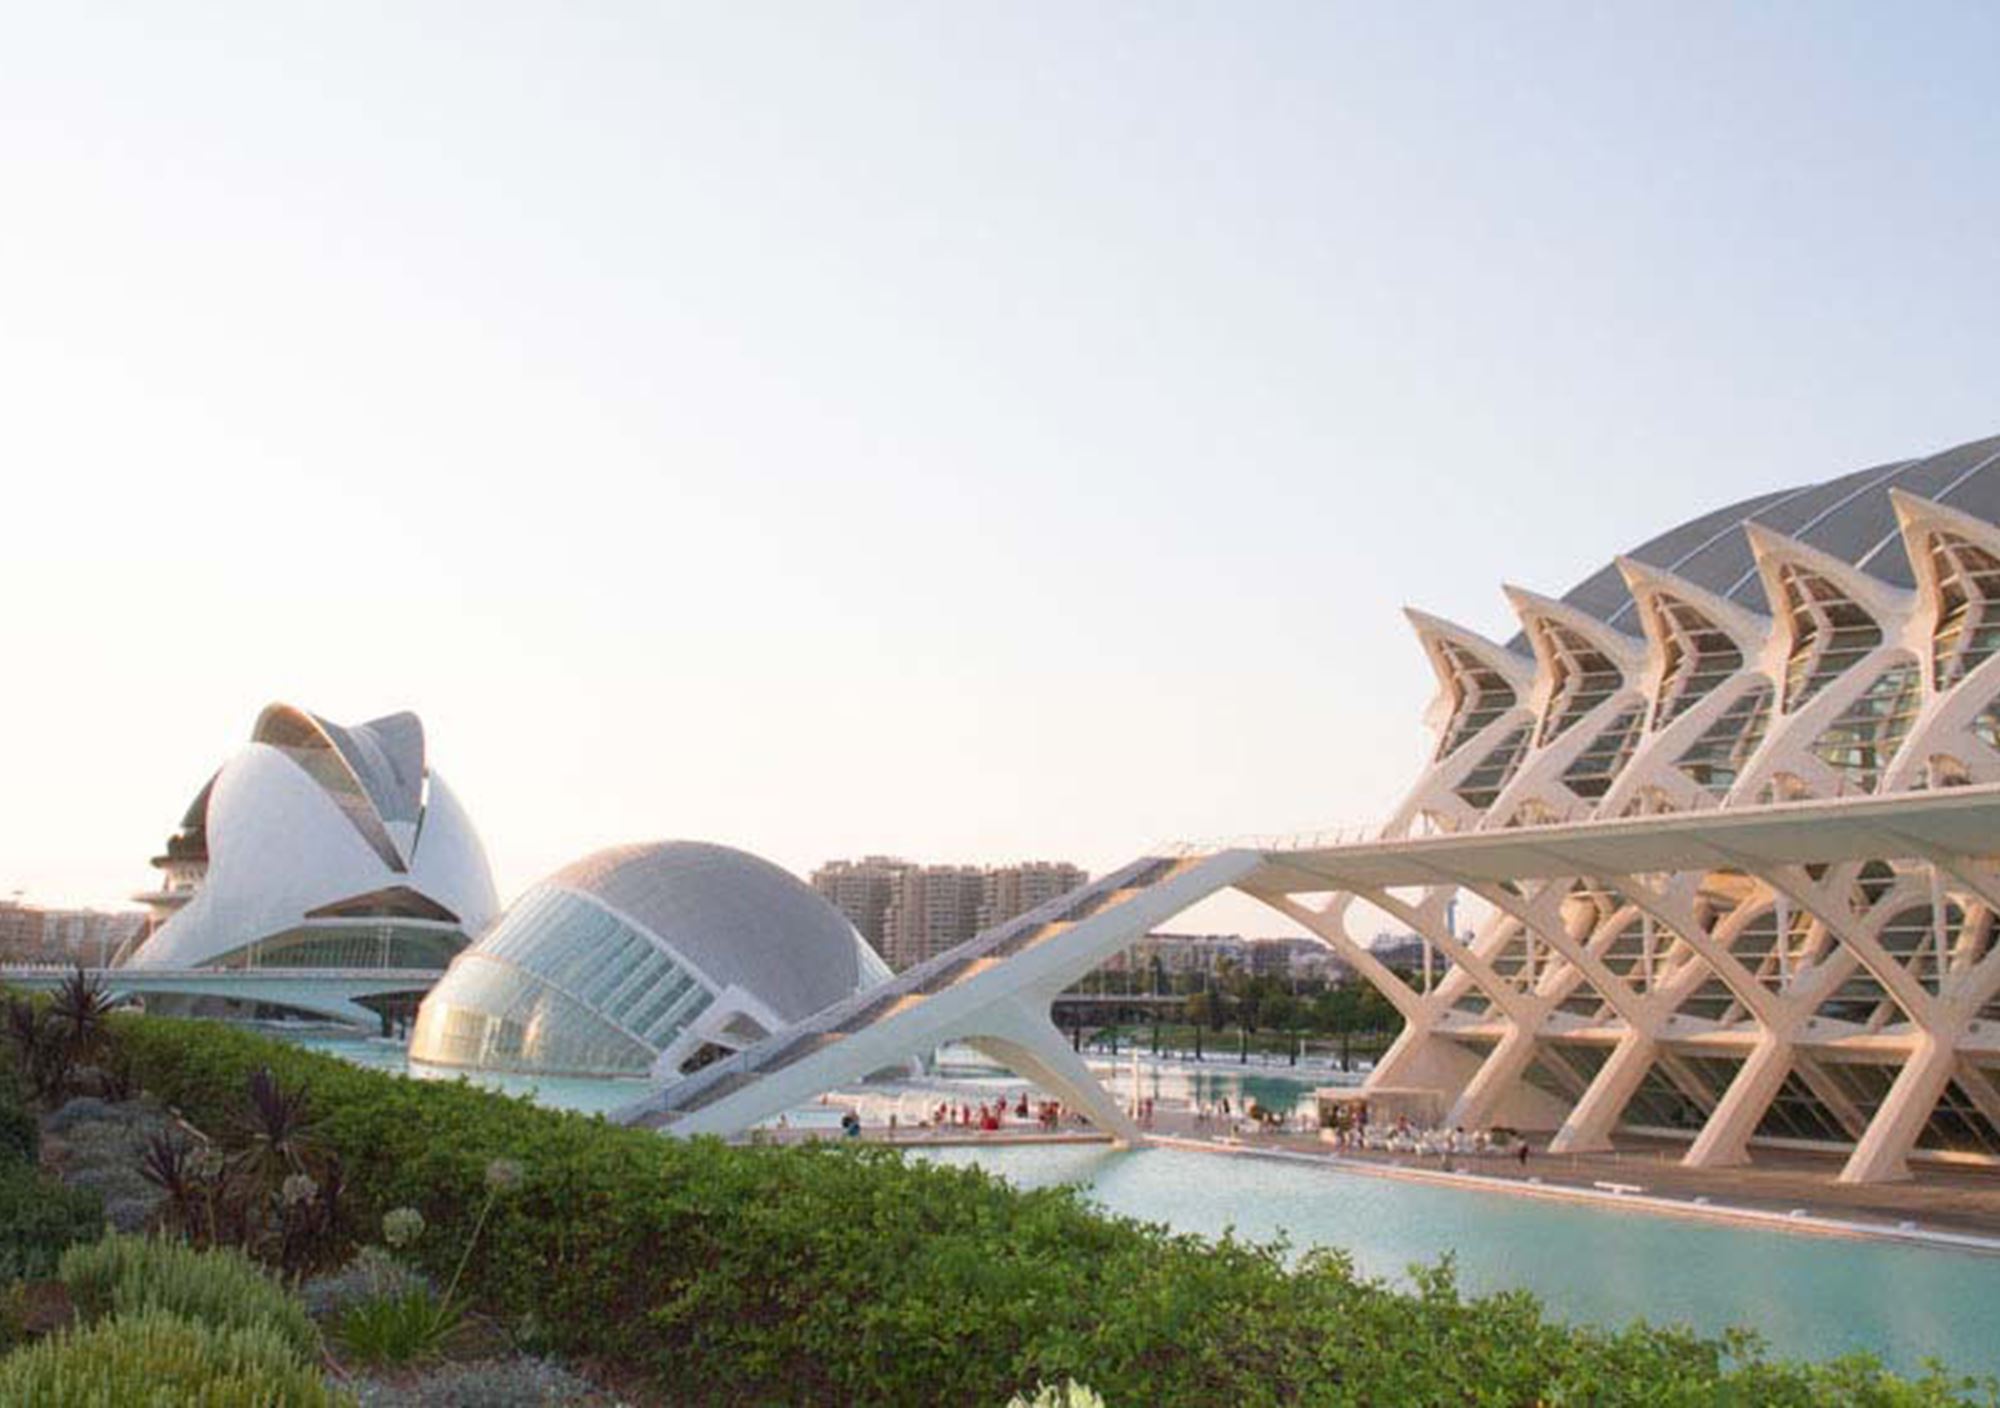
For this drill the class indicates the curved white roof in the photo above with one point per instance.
(737, 918)
(292, 830)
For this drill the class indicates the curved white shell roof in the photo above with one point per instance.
(283, 840)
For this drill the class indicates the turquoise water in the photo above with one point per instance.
(1810, 1297)
(591, 1096)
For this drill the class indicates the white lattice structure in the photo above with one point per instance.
(1832, 643)
(1733, 808)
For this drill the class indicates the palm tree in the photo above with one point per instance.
(80, 1011)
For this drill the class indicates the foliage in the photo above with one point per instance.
(38, 1050)
(97, 1145)
(20, 1132)
(373, 1274)
(279, 1195)
(415, 1325)
(39, 1218)
(1069, 1394)
(154, 1359)
(13, 1315)
(518, 1382)
(218, 1287)
(412, 1327)
(817, 1274)
(80, 1012)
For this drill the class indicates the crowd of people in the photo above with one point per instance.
(1446, 1144)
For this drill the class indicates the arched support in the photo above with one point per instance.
(1029, 1045)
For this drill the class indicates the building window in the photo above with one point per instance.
(1718, 757)
(1479, 695)
(1583, 676)
(1909, 938)
(1596, 767)
(1868, 732)
(1968, 624)
(1699, 656)
(1494, 771)
(1829, 633)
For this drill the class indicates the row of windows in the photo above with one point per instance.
(1860, 743)
(353, 945)
(495, 1016)
(1829, 634)
(1698, 657)
(1968, 627)
(610, 967)
(1480, 695)
(1584, 677)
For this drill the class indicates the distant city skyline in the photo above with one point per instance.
(844, 429)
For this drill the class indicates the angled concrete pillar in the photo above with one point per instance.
(1725, 1140)
(1029, 1044)
(1883, 1153)
(1495, 1080)
(1420, 1057)
(1588, 1128)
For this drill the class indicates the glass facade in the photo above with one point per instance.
(1829, 633)
(1968, 627)
(1479, 696)
(1868, 732)
(560, 986)
(1483, 783)
(381, 943)
(1717, 758)
(1597, 766)
(1584, 678)
(1699, 656)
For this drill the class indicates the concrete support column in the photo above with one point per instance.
(1725, 1140)
(1588, 1128)
(1420, 1057)
(1883, 1153)
(1030, 1046)
(1495, 1079)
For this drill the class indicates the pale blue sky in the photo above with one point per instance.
(974, 432)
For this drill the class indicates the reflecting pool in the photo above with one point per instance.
(1810, 1297)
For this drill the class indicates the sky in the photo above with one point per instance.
(971, 432)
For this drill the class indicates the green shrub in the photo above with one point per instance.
(39, 1218)
(220, 1287)
(831, 1274)
(1070, 1394)
(154, 1359)
(412, 1327)
(20, 1135)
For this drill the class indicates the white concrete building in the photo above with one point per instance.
(1732, 806)
(1836, 641)
(320, 847)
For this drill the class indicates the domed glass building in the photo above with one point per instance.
(636, 960)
